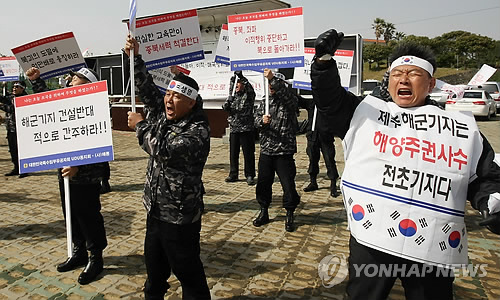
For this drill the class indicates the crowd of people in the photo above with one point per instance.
(175, 133)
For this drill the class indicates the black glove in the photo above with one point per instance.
(327, 42)
(239, 74)
(492, 222)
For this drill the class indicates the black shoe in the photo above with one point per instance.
(312, 186)
(333, 189)
(93, 268)
(289, 221)
(231, 179)
(250, 180)
(23, 175)
(13, 173)
(262, 218)
(79, 259)
(105, 188)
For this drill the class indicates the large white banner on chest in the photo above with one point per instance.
(405, 179)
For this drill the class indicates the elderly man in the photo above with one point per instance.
(7, 105)
(409, 168)
(176, 135)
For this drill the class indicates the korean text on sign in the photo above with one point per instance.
(54, 55)
(66, 127)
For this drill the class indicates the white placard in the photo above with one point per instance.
(267, 39)
(53, 56)
(413, 203)
(302, 75)
(10, 68)
(169, 39)
(66, 127)
(222, 52)
(482, 75)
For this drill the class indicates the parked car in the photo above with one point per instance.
(440, 96)
(493, 88)
(368, 85)
(479, 102)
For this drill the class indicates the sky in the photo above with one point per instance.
(97, 23)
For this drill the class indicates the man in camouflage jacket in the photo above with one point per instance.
(176, 135)
(240, 108)
(7, 105)
(277, 147)
(87, 222)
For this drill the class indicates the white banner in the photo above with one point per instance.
(267, 39)
(65, 127)
(482, 75)
(162, 76)
(302, 75)
(222, 52)
(9, 68)
(213, 79)
(169, 39)
(420, 162)
(53, 56)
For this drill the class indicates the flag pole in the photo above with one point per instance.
(132, 15)
(67, 209)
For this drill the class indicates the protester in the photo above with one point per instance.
(277, 147)
(409, 168)
(317, 142)
(240, 108)
(7, 105)
(87, 223)
(176, 135)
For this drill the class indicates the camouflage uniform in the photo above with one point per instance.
(87, 221)
(240, 108)
(7, 105)
(278, 145)
(173, 192)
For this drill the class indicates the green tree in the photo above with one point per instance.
(375, 53)
(399, 35)
(378, 25)
(389, 31)
(472, 50)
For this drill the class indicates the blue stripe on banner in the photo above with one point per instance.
(9, 78)
(62, 71)
(259, 64)
(174, 60)
(222, 60)
(404, 200)
(301, 85)
(73, 158)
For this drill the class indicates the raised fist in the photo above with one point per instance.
(327, 42)
(33, 73)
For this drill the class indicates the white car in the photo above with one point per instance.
(478, 102)
(368, 85)
(440, 96)
(493, 88)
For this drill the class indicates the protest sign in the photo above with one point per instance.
(66, 127)
(9, 68)
(222, 52)
(267, 39)
(53, 56)
(301, 75)
(169, 39)
(482, 75)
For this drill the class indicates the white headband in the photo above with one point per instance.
(413, 61)
(184, 89)
(87, 74)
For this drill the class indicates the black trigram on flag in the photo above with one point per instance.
(423, 222)
(367, 224)
(442, 245)
(392, 232)
(395, 215)
(419, 240)
(446, 228)
(370, 208)
(463, 231)
(349, 201)
(460, 248)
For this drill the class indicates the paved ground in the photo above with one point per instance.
(241, 261)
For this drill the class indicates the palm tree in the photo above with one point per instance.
(378, 25)
(399, 36)
(389, 31)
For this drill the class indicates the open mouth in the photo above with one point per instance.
(170, 110)
(404, 92)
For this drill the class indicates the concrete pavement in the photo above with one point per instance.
(241, 261)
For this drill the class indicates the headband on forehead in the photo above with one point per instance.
(413, 61)
(184, 89)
